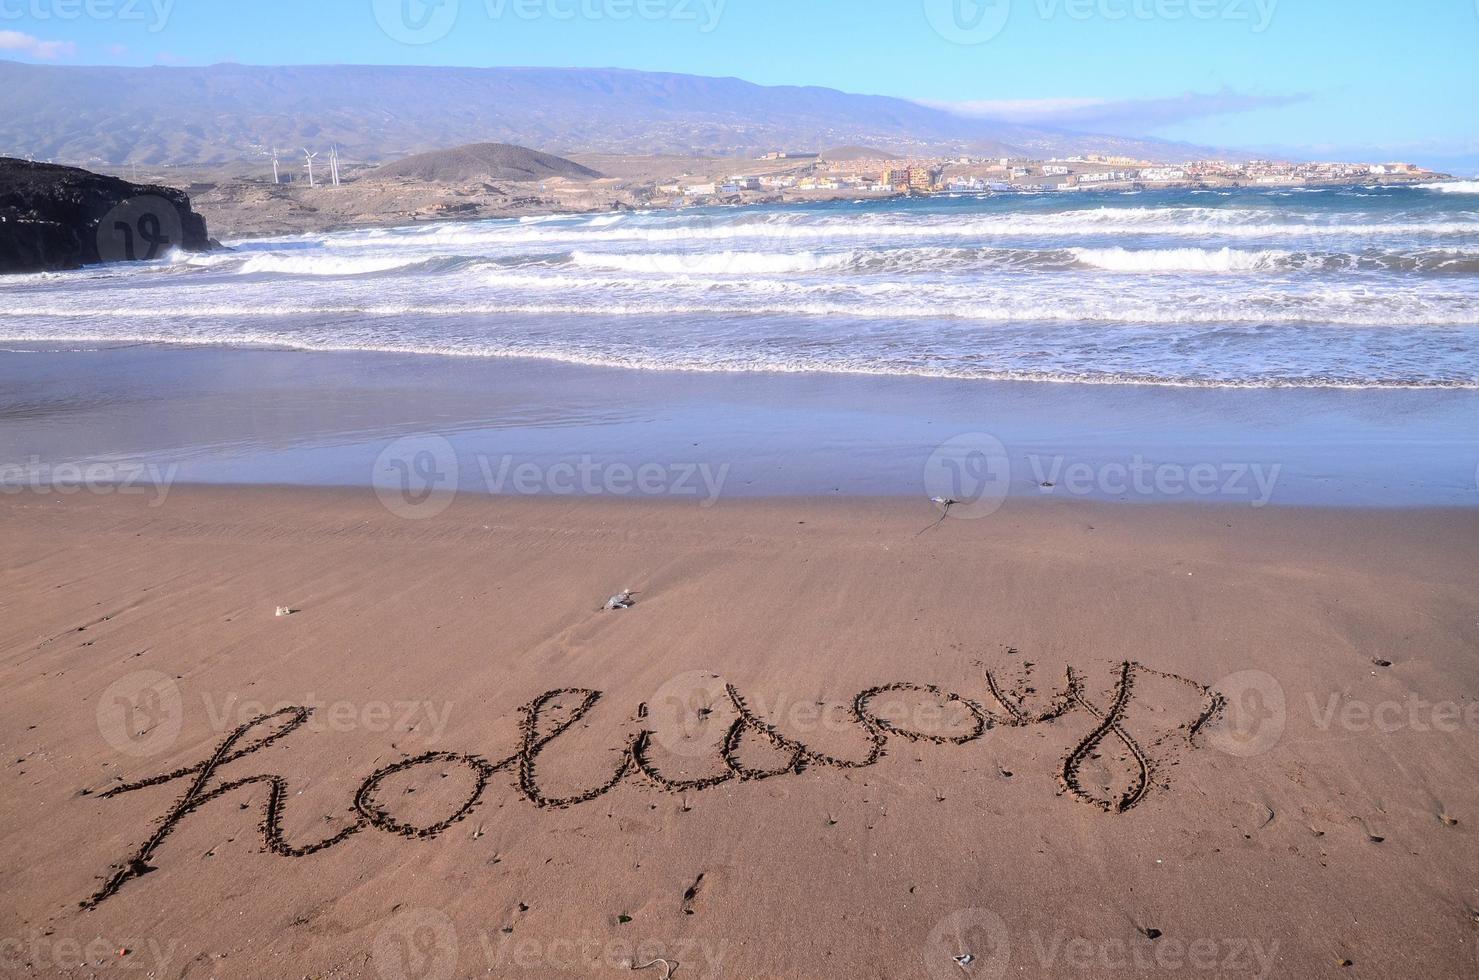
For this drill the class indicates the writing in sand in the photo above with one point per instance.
(551, 714)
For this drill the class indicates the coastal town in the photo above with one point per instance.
(864, 172)
(497, 180)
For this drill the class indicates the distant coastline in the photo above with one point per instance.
(248, 206)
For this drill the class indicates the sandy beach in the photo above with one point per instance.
(1073, 739)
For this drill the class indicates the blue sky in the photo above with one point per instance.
(1352, 77)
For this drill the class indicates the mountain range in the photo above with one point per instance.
(160, 116)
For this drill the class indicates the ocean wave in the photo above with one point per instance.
(1454, 261)
(710, 263)
(1265, 292)
(1179, 259)
(709, 362)
(319, 265)
(687, 301)
(1210, 223)
(1453, 186)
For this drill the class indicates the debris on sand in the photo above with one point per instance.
(285, 610)
(943, 502)
(624, 599)
(667, 967)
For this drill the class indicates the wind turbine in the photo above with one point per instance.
(275, 179)
(334, 163)
(309, 157)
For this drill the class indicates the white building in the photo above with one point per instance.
(1162, 173)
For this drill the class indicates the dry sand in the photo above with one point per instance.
(1322, 825)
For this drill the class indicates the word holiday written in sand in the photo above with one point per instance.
(538, 730)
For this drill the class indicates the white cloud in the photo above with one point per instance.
(34, 47)
(1124, 116)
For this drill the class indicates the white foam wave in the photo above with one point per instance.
(708, 363)
(678, 300)
(1209, 223)
(1158, 260)
(1453, 186)
(319, 265)
(710, 263)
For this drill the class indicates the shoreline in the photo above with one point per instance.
(220, 415)
(233, 416)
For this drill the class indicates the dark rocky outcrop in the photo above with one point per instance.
(54, 217)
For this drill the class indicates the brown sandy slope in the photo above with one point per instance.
(133, 640)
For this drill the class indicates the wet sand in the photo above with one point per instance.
(237, 416)
(849, 769)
